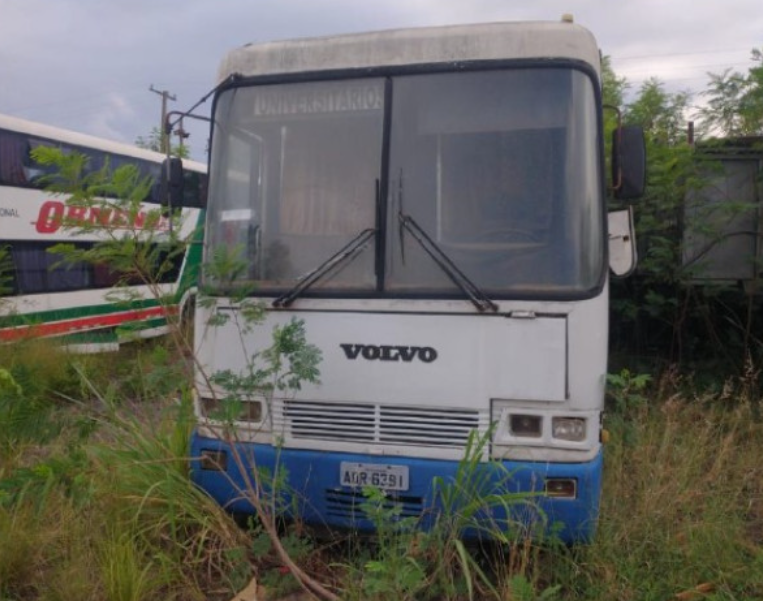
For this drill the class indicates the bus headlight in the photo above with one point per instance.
(568, 428)
(525, 425)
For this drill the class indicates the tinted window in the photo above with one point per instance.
(33, 269)
(501, 170)
(301, 166)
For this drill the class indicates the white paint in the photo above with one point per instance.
(487, 41)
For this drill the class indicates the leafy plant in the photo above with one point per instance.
(404, 560)
(520, 589)
(155, 141)
(627, 390)
(282, 367)
(24, 419)
(395, 573)
(6, 273)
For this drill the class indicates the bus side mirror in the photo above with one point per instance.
(622, 242)
(628, 162)
(173, 179)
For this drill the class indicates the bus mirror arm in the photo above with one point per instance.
(169, 124)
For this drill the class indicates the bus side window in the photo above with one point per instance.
(169, 263)
(31, 268)
(95, 161)
(155, 173)
(39, 271)
(104, 276)
(13, 150)
(63, 277)
(34, 171)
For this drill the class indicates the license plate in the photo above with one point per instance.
(385, 477)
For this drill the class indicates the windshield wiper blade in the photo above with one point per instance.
(348, 251)
(444, 262)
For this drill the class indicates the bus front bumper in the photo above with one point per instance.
(514, 500)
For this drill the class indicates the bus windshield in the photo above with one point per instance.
(499, 168)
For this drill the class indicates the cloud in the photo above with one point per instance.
(109, 122)
(88, 64)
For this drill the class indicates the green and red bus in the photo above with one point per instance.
(74, 302)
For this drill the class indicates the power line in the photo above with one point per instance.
(706, 66)
(646, 56)
(667, 76)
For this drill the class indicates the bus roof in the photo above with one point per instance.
(49, 132)
(421, 46)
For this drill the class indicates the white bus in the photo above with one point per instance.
(44, 297)
(431, 204)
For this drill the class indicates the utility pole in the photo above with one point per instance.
(164, 139)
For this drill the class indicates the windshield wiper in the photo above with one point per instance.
(444, 262)
(348, 251)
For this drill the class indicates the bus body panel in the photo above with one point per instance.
(420, 359)
(421, 397)
(313, 490)
(546, 364)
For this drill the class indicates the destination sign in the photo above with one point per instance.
(317, 99)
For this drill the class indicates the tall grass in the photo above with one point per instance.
(682, 510)
(95, 499)
(681, 515)
(142, 475)
(96, 503)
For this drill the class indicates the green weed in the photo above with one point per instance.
(403, 561)
(681, 506)
(682, 511)
(142, 474)
(125, 568)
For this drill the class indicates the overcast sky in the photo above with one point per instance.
(87, 65)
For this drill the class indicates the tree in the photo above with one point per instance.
(669, 157)
(646, 307)
(661, 311)
(735, 102)
(613, 93)
(613, 87)
(154, 142)
(660, 113)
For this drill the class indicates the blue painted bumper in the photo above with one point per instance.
(316, 495)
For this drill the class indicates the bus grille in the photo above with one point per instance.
(377, 424)
(348, 505)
